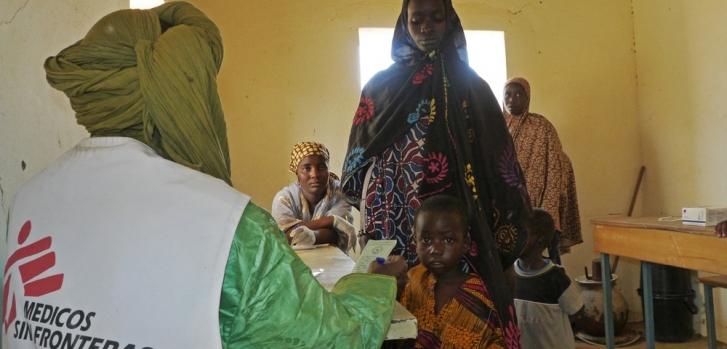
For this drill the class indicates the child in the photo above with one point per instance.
(544, 294)
(453, 308)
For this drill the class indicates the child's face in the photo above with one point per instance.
(441, 240)
(532, 246)
(535, 244)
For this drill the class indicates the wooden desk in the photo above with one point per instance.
(335, 265)
(652, 241)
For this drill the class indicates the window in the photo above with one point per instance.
(486, 51)
(144, 4)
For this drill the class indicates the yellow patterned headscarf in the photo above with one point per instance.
(303, 149)
(150, 75)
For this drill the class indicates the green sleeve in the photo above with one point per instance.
(270, 299)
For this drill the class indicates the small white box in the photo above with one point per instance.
(704, 216)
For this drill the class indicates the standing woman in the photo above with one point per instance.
(548, 171)
(429, 125)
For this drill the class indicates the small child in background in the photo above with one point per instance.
(453, 308)
(544, 295)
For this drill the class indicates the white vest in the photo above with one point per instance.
(114, 247)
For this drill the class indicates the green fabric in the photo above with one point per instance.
(270, 299)
(127, 78)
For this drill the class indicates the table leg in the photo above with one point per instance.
(709, 308)
(607, 300)
(648, 304)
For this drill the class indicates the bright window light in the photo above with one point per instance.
(144, 4)
(485, 49)
(374, 51)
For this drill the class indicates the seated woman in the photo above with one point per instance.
(312, 210)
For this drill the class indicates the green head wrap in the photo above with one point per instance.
(128, 78)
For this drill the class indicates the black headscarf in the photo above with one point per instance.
(467, 128)
(403, 47)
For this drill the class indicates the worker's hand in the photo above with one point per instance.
(721, 229)
(394, 266)
(302, 236)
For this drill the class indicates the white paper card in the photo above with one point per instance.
(373, 249)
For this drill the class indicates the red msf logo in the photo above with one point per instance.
(33, 285)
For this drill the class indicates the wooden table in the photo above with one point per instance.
(336, 264)
(652, 241)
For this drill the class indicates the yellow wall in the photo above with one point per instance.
(681, 55)
(681, 50)
(291, 73)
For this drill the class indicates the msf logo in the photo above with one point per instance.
(30, 270)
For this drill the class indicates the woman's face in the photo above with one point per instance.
(516, 100)
(427, 24)
(312, 175)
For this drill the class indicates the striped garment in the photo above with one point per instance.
(468, 320)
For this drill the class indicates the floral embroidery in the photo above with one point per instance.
(365, 111)
(469, 178)
(506, 237)
(392, 192)
(466, 109)
(423, 74)
(509, 168)
(432, 110)
(437, 168)
(355, 158)
(422, 109)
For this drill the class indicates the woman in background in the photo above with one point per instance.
(548, 171)
(312, 210)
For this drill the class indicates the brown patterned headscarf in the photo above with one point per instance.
(525, 85)
(303, 149)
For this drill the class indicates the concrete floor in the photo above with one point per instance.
(697, 342)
